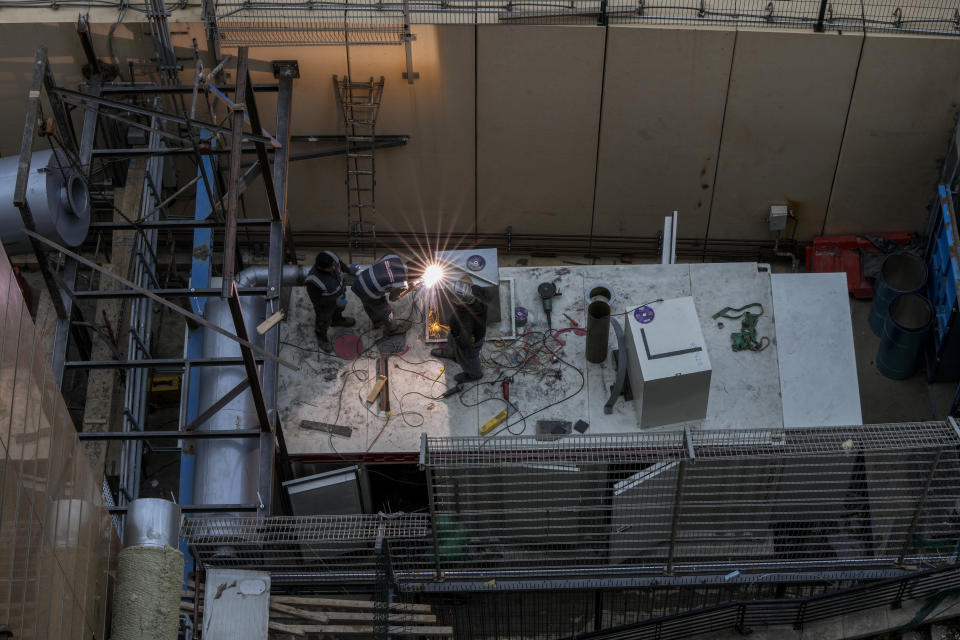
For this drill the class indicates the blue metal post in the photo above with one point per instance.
(199, 278)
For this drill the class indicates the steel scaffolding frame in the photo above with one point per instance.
(171, 130)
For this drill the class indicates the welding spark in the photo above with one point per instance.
(433, 275)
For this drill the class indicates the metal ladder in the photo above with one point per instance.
(360, 104)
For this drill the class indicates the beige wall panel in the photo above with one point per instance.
(537, 116)
(66, 57)
(662, 114)
(788, 100)
(427, 185)
(903, 112)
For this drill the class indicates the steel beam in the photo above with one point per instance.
(23, 175)
(251, 104)
(233, 184)
(155, 363)
(200, 508)
(249, 362)
(122, 436)
(382, 142)
(166, 303)
(68, 136)
(88, 136)
(154, 89)
(216, 406)
(83, 98)
(281, 242)
(174, 224)
(169, 293)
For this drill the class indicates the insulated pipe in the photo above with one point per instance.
(58, 199)
(227, 469)
(149, 573)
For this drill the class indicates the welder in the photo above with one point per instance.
(325, 287)
(386, 276)
(468, 327)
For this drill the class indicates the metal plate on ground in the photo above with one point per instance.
(818, 367)
(236, 605)
(548, 430)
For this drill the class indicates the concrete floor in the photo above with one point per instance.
(882, 399)
(886, 400)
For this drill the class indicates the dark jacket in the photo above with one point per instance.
(469, 321)
(386, 273)
(325, 287)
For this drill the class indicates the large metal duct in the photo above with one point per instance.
(58, 199)
(227, 470)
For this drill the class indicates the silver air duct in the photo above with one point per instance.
(58, 199)
(226, 470)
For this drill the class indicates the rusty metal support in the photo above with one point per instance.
(233, 183)
(40, 73)
(162, 301)
(249, 362)
(250, 101)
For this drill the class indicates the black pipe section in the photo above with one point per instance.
(598, 331)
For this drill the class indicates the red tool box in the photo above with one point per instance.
(831, 254)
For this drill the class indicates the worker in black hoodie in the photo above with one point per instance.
(468, 328)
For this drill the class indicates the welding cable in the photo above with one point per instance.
(523, 417)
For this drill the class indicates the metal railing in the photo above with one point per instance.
(745, 615)
(702, 502)
(291, 22)
(680, 505)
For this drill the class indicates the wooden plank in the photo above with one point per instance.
(377, 388)
(287, 628)
(335, 603)
(363, 616)
(351, 616)
(300, 613)
(364, 629)
(269, 323)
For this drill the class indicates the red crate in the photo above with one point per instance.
(834, 254)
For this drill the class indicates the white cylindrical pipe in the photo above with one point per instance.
(152, 522)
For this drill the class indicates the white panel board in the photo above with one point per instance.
(818, 367)
(236, 605)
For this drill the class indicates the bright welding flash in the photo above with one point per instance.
(432, 275)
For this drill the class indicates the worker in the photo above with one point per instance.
(328, 295)
(386, 276)
(468, 328)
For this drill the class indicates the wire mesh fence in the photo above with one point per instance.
(701, 502)
(366, 22)
(775, 502)
(312, 549)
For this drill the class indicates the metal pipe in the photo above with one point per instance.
(598, 331)
(227, 469)
(152, 522)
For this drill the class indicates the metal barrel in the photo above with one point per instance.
(904, 334)
(901, 273)
(152, 522)
(598, 331)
